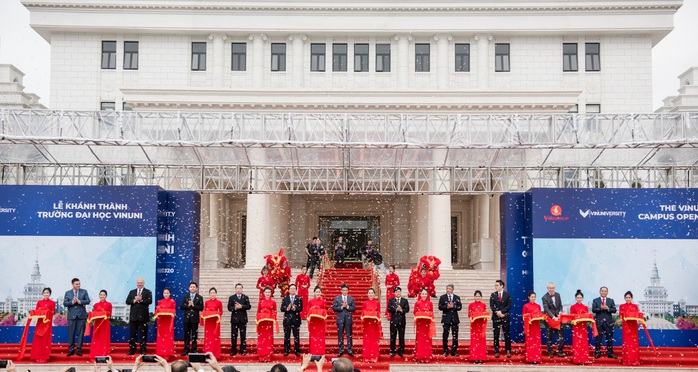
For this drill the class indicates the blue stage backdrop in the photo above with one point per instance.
(107, 236)
(642, 240)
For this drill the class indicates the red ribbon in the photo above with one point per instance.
(44, 315)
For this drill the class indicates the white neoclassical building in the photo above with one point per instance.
(397, 121)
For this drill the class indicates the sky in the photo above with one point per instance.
(24, 48)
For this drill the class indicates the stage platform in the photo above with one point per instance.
(664, 359)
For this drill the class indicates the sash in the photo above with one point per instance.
(209, 314)
(316, 312)
(532, 317)
(267, 316)
(633, 316)
(165, 313)
(424, 315)
(95, 315)
(575, 319)
(44, 316)
(373, 315)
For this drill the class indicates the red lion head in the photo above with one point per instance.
(279, 270)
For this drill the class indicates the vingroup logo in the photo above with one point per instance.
(556, 214)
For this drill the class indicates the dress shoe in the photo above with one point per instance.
(78, 353)
(496, 354)
(70, 353)
(340, 354)
(351, 355)
(185, 353)
(597, 355)
(445, 353)
(286, 353)
(401, 354)
(243, 353)
(561, 355)
(233, 353)
(612, 356)
(455, 354)
(509, 354)
(551, 354)
(131, 352)
(392, 354)
(297, 353)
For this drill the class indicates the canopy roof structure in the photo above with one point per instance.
(348, 153)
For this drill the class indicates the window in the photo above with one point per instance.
(421, 57)
(109, 55)
(278, 56)
(130, 55)
(339, 57)
(198, 56)
(126, 107)
(317, 57)
(501, 57)
(569, 57)
(592, 121)
(107, 106)
(382, 57)
(593, 56)
(239, 62)
(361, 57)
(462, 57)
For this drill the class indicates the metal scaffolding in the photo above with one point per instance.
(379, 153)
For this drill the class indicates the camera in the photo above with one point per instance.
(3, 364)
(197, 358)
(101, 359)
(71, 369)
(149, 359)
(315, 358)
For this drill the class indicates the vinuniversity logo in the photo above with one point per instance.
(590, 213)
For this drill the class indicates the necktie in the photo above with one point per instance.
(238, 297)
(139, 291)
(344, 299)
(500, 296)
(603, 301)
(292, 299)
(450, 298)
(76, 294)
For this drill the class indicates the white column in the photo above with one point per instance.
(258, 60)
(218, 78)
(442, 60)
(439, 228)
(483, 60)
(403, 60)
(297, 42)
(268, 219)
(482, 251)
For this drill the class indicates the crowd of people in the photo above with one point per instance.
(296, 306)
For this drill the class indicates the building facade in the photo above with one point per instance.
(329, 62)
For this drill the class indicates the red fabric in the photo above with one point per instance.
(391, 281)
(165, 327)
(41, 343)
(631, 345)
(317, 327)
(478, 331)
(423, 330)
(263, 282)
(212, 327)
(265, 329)
(303, 284)
(101, 334)
(533, 350)
(372, 330)
(580, 336)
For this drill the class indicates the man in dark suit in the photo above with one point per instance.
(238, 304)
(139, 299)
(603, 308)
(450, 305)
(311, 250)
(192, 304)
(398, 307)
(344, 306)
(500, 303)
(552, 306)
(292, 306)
(75, 300)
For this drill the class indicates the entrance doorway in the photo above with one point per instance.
(355, 230)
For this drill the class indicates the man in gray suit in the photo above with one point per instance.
(552, 306)
(344, 305)
(75, 300)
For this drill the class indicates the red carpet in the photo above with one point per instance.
(664, 358)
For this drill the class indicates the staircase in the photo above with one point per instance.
(465, 282)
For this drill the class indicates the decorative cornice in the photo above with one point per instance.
(420, 7)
